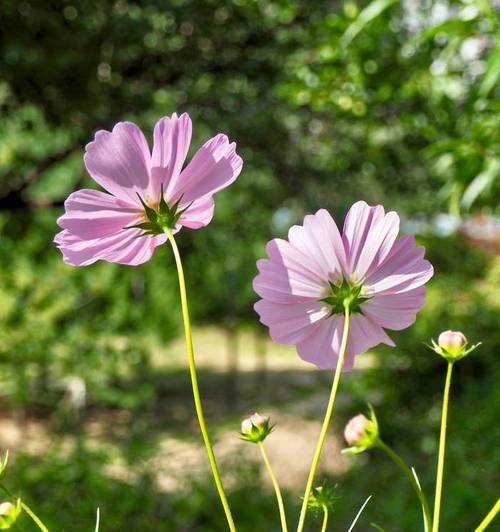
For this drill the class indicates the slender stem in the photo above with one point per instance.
(194, 381)
(326, 421)
(325, 518)
(489, 517)
(276, 485)
(33, 516)
(442, 446)
(411, 477)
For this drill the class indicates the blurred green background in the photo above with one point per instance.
(329, 102)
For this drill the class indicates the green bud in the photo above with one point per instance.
(255, 428)
(9, 513)
(361, 433)
(323, 496)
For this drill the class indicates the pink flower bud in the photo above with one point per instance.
(255, 428)
(452, 341)
(355, 431)
(361, 433)
(9, 513)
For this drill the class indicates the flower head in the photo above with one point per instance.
(306, 281)
(255, 428)
(146, 192)
(452, 345)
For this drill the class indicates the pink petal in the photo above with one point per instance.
(119, 161)
(357, 226)
(379, 241)
(403, 270)
(93, 214)
(281, 285)
(364, 334)
(281, 252)
(289, 324)
(214, 166)
(319, 240)
(395, 311)
(172, 137)
(323, 345)
(123, 247)
(199, 213)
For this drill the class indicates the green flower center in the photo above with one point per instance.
(159, 219)
(345, 294)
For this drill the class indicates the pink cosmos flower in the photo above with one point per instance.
(145, 192)
(305, 279)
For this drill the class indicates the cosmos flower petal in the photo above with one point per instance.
(357, 225)
(379, 242)
(214, 166)
(279, 285)
(395, 311)
(123, 247)
(282, 252)
(93, 214)
(319, 240)
(171, 141)
(199, 214)
(291, 323)
(323, 345)
(120, 161)
(404, 269)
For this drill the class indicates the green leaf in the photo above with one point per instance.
(369, 13)
(481, 182)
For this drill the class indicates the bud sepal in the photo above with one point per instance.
(322, 497)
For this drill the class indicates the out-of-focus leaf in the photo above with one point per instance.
(369, 13)
(492, 74)
(481, 182)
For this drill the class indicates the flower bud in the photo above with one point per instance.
(255, 428)
(323, 496)
(361, 433)
(9, 513)
(452, 345)
(452, 341)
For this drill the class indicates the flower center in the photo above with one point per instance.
(345, 294)
(159, 219)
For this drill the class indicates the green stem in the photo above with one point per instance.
(325, 518)
(411, 477)
(489, 517)
(442, 446)
(276, 486)
(33, 516)
(326, 421)
(194, 381)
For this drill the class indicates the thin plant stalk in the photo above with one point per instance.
(34, 517)
(28, 510)
(325, 518)
(194, 382)
(489, 517)
(411, 477)
(326, 421)
(442, 446)
(276, 486)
